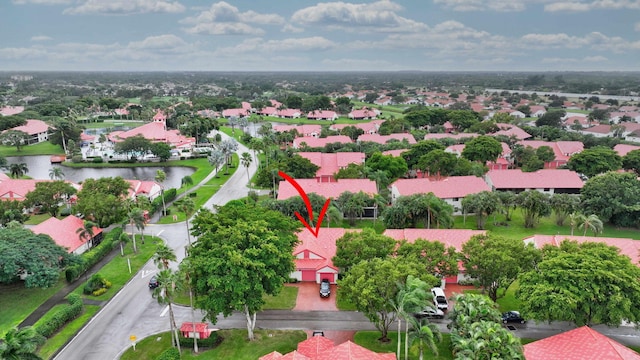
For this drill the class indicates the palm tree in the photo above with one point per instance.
(124, 238)
(56, 173)
(333, 214)
(86, 232)
(163, 256)
(424, 333)
(216, 158)
(591, 222)
(135, 218)
(187, 206)
(186, 181)
(246, 161)
(21, 344)
(18, 170)
(574, 220)
(164, 294)
(159, 178)
(412, 296)
(185, 270)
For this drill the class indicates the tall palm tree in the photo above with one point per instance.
(424, 334)
(124, 238)
(18, 170)
(246, 161)
(187, 206)
(216, 158)
(575, 219)
(135, 216)
(21, 344)
(163, 256)
(164, 294)
(56, 173)
(159, 178)
(333, 213)
(412, 297)
(591, 222)
(86, 232)
(185, 270)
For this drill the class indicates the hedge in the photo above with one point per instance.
(91, 257)
(169, 354)
(62, 316)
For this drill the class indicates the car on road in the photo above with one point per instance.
(430, 313)
(325, 288)
(513, 317)
(439, 299)
(153, 283)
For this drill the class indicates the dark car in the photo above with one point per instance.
(325, 288)
(153, 283)
(513, 317)
(430, 313)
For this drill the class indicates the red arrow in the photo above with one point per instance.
(305, 198)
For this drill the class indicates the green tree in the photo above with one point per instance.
(482, 204)
(433, 256)
(160, 177)
(49, 195)
(412, 296)
(495, 262)
(413, 155)
(56, 173)
(246, 161)
(133, 146)
(534, 205)
(163, 255)
(86, 232)
(372, 287)
(18, 170)
(563, 205)
(12, 210)
(187, 206)
(613, 197)
(482, 149)
(243, 253)
(471, 308)
(135, 218)
(594, 161)
(353, 171)
(103, 200)
(408, 210)
(160, 150)
(165, 294)
(551, 118)
(352, 204)
(216, 158)
(395, 167)
(631, 161)
(487, 340)
(507, 203)
(438, 162)
(424, 334)
(186, 181)
(354, 247)
(591, 222)
(21, 344)
(545, 154)
(587, 284)
(15, 138)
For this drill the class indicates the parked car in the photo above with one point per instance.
(430, 313)
(513, 317)
(439, 299)
(325, 288)
(153, 283)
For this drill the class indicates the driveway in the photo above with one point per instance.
(309, 298)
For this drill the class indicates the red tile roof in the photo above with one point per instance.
(303, 130)
(599, 129)
(449, 237)
(582, 343)
(351, 351)
(155, 132)
(11, 110)
(395, 153)
(447, 188)
(33, 127)
(562, 149)
(541, 179)
(327, 189)
(330, 163)
(628, 247)
(435, 136)
(323, 247)
(383, 139)
(188, 327)
(320, 142)
(235, 112)
(295, 355)
(624, 149)
(511, 130)
(63, 232)
(271, 356)
(322, 114)
(315, 345)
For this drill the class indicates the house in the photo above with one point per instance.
(449, 237)
(451, 189)
(583, 343)
(624, 149)
(321, 348)
(322, 115)
(628, 247)
(364, 114)
(156, 131)
(331, 163)
(601, 130)
(65, 233)
(302, 130)
(313, 255)
(17, 189)
(370, 127)
(458, 136)
(11, 110)
(562, 150)
(501, 163)
(227, 113)
(289, 114)
(383, 139)
(510, 130)
(313, 142)
(537, 110)
(327, 189)
(148, 189)
(549, 181)
(37, 130)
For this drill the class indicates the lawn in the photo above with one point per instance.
(236, 133)
(369, 340)
(286, 300)
(43, 148)
(507, 302)
(18, 302)
(58, 340)
(234, 346)
(37, 219)
(344, 304)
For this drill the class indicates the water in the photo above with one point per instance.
(39, 167)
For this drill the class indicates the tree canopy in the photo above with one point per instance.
(482, 149)
(50, 195)
(102, 200)
(356, 246)
(594, 161)
(614, 197)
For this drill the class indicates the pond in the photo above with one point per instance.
(39, 167)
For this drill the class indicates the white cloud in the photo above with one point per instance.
(161, 42)
(597, 58)
(41, 38)
(379, 16)
(579, 5)
(225, 19)
(593, 40)
(259, 45)
(567, 6)
(22, 53)
(292, 29)
(42, 2)
(125, 7)
(561, 60)
(357, 64)
(481, 5)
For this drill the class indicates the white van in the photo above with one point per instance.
(439, 299)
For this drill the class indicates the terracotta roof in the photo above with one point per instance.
(599, 129)
(323, 246)
(541, 179)
(327, 189)
(33, 127)
(188, 326)
(628, 247)
(368, 127)
(447, 188)
(153, 131)
(449, 237)
(271, 356)
(624, 149)
(330, 163)
(148, 188)
(351, 351)
(235, 112)
(16, 189)
(561, 149)
(303, 130)
(314, 345)
(63, 232)
(511, 130)
(295, 355)
(383, 139)
(322, 114)
(435, 136)
(582, 343)
(11, 110)
(321, 142)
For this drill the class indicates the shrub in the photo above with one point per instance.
(193, 194)
(97, 160)
(169, 354)
(254, 196)
(95, 283)
(62, 316)
(99, 292)
(212, 341)
(91, 257)
(65, 212)
(77, 159)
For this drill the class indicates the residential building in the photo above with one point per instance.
(65, 233)
(322, 115)
(331, 190)
(549, 181)
(628, 247)
(563, 150)
(156, 131)
(302, 130)
(451, 189)
(313, 142)
(624, 149)
(37, 130)
(383, 139)
(331, 163)
(321, 348)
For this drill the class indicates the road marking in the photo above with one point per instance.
(164, 312)
(145, 273)
(160, 232)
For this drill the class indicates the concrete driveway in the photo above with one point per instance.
(309, 298)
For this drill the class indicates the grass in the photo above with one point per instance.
(117, 271)
(286, 300)
(343, 303)
(43, 148)
(18, 302)
(369, 340)
(236, 134)
(234, 346)
(37, 219)
(58, 340)
(508, 301)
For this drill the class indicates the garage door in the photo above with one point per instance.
(308, 275)
(327, 276)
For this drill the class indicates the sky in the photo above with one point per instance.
(305, 35)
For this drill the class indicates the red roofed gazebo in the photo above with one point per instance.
(202, 330)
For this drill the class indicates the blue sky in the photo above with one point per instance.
(304, 35)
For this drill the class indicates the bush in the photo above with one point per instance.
(169, 354)
(62, 316)
(212, 341)
(254, 196)
(95, 283)
(91, 257)
(65, 212)
(97, 160)
(193, 194)
(99, 292)
(77, 159)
